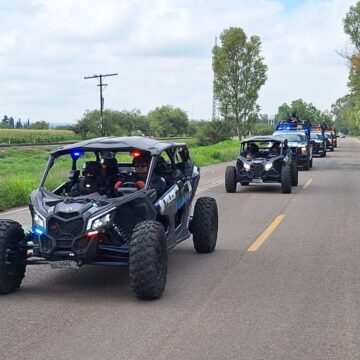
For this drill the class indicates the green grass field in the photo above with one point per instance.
(18, 136)
(22, 168)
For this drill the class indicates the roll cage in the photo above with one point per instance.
(178, 161)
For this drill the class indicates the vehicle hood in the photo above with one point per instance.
(297, 144)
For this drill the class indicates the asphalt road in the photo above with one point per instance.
(295, 296)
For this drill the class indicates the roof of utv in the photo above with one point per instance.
(113, 143)
(263, 138)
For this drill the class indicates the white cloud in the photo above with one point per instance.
(162, 52)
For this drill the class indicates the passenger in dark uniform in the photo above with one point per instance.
(111, 174)
(91, 183)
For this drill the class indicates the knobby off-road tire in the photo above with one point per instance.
(204, 225)
(12, 267)
(230, 179)
(306, 166)
(332, 148)
(148, 260)
(294, 174)
(311, 163)
(286, 179)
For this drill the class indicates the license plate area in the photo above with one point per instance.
(257, 180)
(64, 264)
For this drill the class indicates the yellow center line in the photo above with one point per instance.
(307, 183)
(268, 231)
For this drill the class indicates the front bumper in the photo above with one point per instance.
(82, 250)
(318, 149)
(261, 176)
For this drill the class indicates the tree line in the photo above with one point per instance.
(346, 110)
(9, 123)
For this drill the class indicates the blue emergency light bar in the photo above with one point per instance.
(38, 230)
(76, 153)
(290, 126)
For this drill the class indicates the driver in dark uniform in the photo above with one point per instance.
(141, 164)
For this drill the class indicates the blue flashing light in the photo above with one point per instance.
(38, 230)
(76, 153)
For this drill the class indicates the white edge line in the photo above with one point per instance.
(207, 187)
(13, 211)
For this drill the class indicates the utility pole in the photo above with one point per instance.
(101, 76)
(214, 102)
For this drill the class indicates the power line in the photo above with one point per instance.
(101, 85)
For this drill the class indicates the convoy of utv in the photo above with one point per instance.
(127, 201)
(276, 158)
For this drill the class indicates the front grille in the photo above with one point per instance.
(67, 215)
(257, 170)
(64, 244)
(65, 229)
(45, 243)
(295, 150)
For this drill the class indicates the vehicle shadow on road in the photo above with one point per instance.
(87, 282)
(259, 188)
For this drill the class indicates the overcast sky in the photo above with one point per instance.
(161, 50)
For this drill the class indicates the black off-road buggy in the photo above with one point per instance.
(319, 141)
(263, 159)
(129, 226)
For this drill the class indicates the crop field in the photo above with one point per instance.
(17, 136)
(22, 168)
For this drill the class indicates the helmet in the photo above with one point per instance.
(109, 166)
(143, 158)
(91, 168)
(253, 148)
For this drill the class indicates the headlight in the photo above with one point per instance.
(104, 220)
(100, 220)
(268, 166)
(246, 166)
(303, 150)
(39, 220)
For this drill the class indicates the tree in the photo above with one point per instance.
(168, 121)
(239, 74)
(212, 132)
(11, 122)
(352, 24)
(304, 111)
(5, 120)
(39, 125)
(88, 124)
(354, 74)
(129, 121)
(262, 129)
(18, 124)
